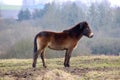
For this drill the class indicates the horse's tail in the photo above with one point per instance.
(35, 44)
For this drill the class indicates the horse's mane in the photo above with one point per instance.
(77, 26)
(76, 30)
(73, 28)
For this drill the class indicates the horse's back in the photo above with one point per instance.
(43, 34)
(55, 35)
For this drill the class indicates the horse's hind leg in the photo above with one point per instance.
(35, 56)
(43, 61)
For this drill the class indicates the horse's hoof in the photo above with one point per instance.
(67, 65)
(34, 69)
(33, 65)
(45, 66)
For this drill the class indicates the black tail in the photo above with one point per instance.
(35, 44)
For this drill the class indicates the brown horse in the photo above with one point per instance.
(66, 40)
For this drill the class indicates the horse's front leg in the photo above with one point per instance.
(67, 57)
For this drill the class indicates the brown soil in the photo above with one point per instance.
(30, 74)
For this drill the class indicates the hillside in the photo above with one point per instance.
(82, 68)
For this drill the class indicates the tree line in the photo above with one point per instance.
(103, 19)
(98, 14)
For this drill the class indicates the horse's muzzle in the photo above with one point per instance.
(91, 35)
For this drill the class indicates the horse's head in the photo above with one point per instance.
(86, 31)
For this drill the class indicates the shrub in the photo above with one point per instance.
(21, 49)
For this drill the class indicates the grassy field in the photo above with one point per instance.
(82, 68)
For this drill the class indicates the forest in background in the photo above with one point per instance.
(16, 36)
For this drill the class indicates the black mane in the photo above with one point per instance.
(77, 30)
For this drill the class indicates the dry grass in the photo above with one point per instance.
(56, 74)
(82, 68)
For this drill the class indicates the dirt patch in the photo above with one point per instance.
(82, 71)
(18, 74)
(31, 74)
(57, 74)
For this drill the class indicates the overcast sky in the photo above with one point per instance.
(19, 2)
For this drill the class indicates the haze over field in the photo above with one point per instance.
(19, 2)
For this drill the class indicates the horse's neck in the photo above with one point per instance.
(74, 34)
(79, 37)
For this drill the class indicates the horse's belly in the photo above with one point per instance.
(56, 46)
(61, 44)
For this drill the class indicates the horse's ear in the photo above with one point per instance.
(81, 26)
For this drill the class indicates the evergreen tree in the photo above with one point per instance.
(38, 13)
(24, 15)
(20, 15)
(27, 14)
